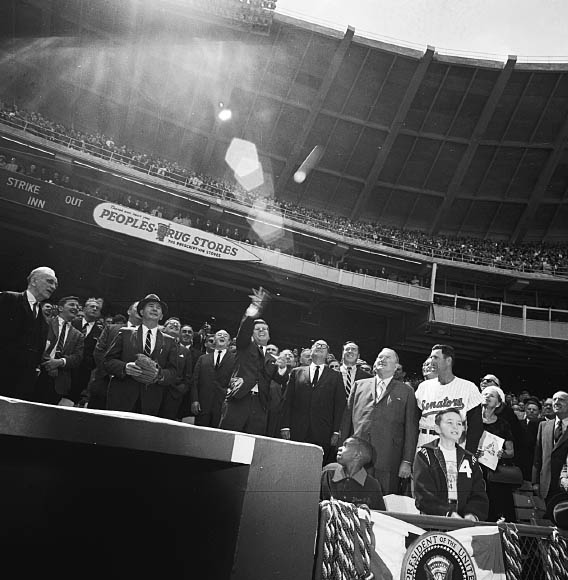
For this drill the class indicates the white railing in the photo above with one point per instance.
(333, 275)
(501, 317)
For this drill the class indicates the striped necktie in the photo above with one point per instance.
(148, 344)
(348, 380)
(61, 341)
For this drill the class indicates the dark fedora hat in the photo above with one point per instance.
(152, 298)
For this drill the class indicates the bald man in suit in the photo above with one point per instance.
(23, 333)
(383, 411)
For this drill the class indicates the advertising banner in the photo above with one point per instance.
(50, 198)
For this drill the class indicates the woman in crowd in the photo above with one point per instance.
(500, 495)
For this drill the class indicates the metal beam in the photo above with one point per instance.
(560, 202)
(478, 132)
(541, 184)
(296, 153)
(276, 121)
(261, 82)
(398, 120)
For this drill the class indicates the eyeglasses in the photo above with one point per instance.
(484, 380)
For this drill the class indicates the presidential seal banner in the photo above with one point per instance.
(437, 555)
(472, 553)
(392, 549)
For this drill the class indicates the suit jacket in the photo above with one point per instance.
(184, 378)
(82, 374)
(210, 384)
(90, 343)
(549, 458)
(106, 338)
(98, 383)
(391, 426)
(313, 414)
(524, 448)
(124, 391)
(72, 352)
(22, 342)
(252, 366)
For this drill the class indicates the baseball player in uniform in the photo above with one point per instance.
(448, 391)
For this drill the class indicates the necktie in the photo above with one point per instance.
(85, 326)
(348, 380)
(36, 309)
(148, 343)
(218, 361)
(261, 350)
(60, 341)
(380, 389)
(316, 376)
(557, 432)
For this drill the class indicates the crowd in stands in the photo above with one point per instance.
(189, 219)
(376, 427)
(529, 257)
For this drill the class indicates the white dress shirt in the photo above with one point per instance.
(313, 371)
(53, 346)
(154, 332)
(31, 300)
(216, 354)
(89, 327)
(380, 391)
(345, 370)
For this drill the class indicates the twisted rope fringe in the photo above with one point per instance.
(347, 542)
(512, 553)
(348, 546)
(555, 556)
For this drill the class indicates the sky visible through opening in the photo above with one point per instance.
(525, 28)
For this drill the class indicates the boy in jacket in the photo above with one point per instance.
(447, 479)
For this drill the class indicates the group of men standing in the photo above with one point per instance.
(44, 360)
(151, 368)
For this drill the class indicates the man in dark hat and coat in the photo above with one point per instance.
(142, 362)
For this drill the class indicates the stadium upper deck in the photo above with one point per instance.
(416, 140)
